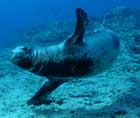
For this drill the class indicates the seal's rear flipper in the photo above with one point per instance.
(44, 91)
(81, 24)
(81, 17)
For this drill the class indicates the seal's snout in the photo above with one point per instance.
(21, 56)
(18, 54)
(12, 55)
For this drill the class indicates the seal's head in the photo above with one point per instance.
(22, 57)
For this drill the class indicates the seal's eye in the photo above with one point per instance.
(12, 52)
(25, 48)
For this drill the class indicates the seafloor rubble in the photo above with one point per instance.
(112, 94)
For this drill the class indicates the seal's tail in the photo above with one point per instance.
(103, 22)
(82, 22)
(81, 16)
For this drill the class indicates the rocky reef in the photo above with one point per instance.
(112, 94)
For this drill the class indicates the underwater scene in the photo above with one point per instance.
(70, 59)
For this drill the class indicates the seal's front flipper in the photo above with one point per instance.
(81, 24)
(44, 91)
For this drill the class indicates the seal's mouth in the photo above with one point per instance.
(15, 59)
(21, 61)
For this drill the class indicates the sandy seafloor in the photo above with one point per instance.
(112, 94)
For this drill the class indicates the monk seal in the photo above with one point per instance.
(74, 57)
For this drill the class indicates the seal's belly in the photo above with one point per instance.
(67, 68)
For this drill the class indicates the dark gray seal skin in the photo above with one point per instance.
(74, 57)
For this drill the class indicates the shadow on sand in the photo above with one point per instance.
(126, 106)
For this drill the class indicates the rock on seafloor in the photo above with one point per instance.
(112, 94)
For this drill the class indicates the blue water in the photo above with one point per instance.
(17, 14)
